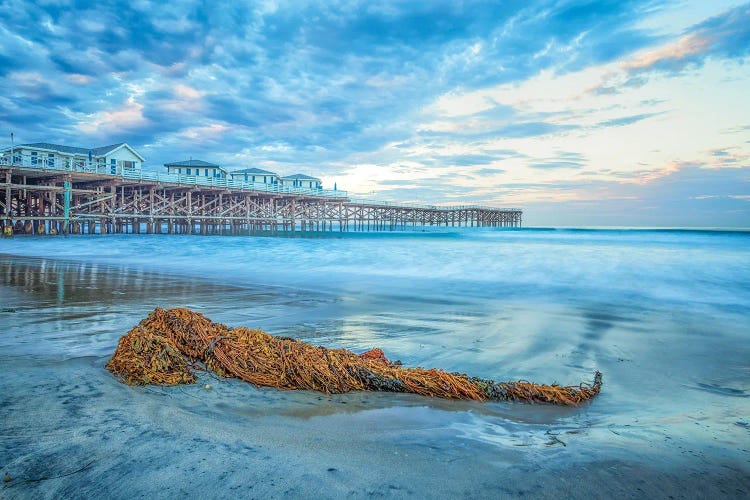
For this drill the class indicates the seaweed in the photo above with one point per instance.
(167, 347)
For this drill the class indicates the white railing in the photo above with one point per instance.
(222, 182)
(65, 164)
(481, 207)
(99, 167)
(396, 204)
(68, 165)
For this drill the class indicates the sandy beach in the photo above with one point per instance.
(230, 441)
(664, 426)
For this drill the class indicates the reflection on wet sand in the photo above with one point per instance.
(77, 283)
(60, 320)
(68, 309)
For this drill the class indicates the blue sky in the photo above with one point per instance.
(583, 113)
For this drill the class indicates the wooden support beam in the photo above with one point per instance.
(121, 205)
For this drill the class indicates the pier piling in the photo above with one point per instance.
(37, 200)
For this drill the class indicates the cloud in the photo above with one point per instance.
(733, 156)
(129, 115)
(723, 35)
(627, 120)
(489, 130)
(490, 171)
(467, 159)
(670, 56)
(295, 70)
(209, 132)
(684, 195)
(556, 164)
(726, 35)
(399, 94)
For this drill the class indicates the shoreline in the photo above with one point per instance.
(663, 423)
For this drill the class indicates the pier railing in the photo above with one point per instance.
(74, 196)
(99, 167)
(397, 204)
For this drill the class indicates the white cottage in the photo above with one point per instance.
(45, 155)
(257, 175)
(197, 168)
(301, 181)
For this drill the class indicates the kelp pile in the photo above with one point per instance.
(169, 345)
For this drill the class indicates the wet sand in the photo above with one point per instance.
(162, 443)
(70, 430)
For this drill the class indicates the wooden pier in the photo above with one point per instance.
(89, 199)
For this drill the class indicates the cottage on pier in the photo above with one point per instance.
(116, 157)
(257, 175)
(197, 168)
(301, 181)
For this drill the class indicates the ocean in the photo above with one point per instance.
(663, 314)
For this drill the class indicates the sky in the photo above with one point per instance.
(600, 113)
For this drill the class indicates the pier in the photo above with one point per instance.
(89, 198)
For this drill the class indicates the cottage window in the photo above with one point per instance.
(206, 172)
(51, 159)
(113, 166)
(189, 172)
(128, 164)
(33, 158)
(245, 177)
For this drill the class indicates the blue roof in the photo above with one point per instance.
(191, 163)
(100, 151)
(301, 177)
(253, 171)
(74, 150)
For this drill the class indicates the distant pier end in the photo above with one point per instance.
(96, 197)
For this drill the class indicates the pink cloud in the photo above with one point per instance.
(674, 52)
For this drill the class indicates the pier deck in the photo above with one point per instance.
(45, 199)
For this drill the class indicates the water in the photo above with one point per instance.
(665, 315)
